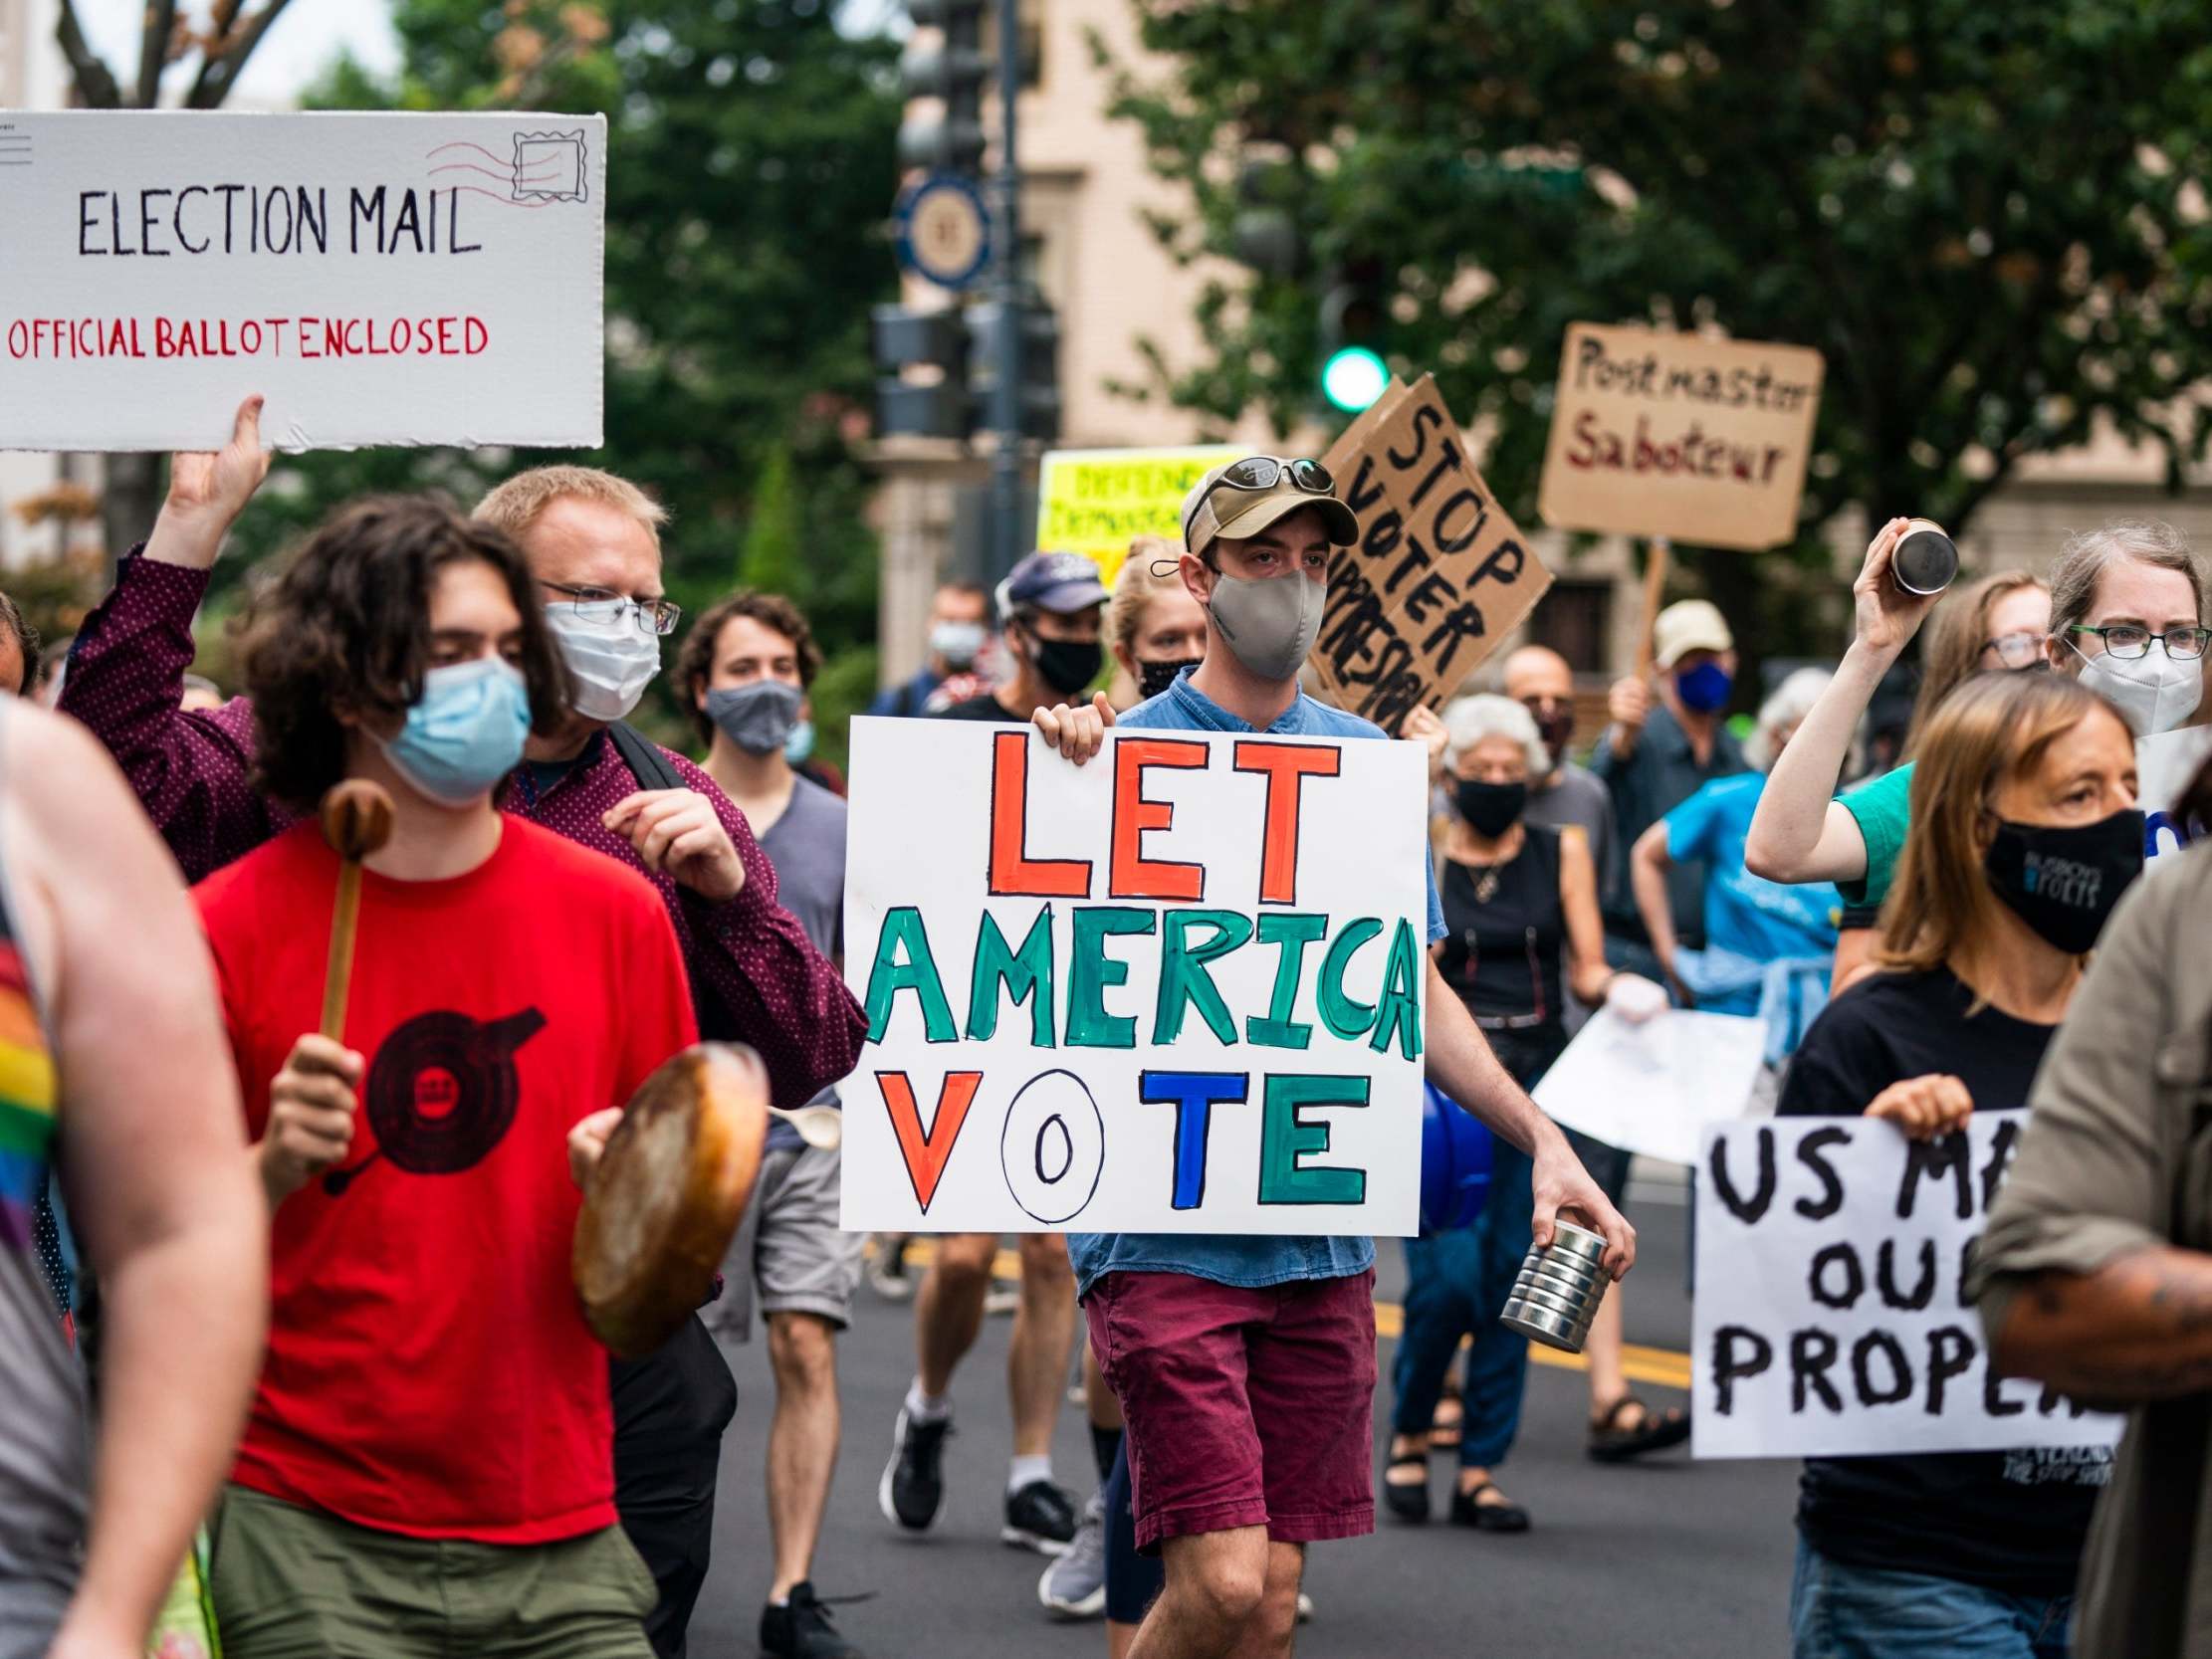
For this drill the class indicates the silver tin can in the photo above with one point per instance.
(1555, 1295)
(1927, 561)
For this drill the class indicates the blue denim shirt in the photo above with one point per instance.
(1249, 1261)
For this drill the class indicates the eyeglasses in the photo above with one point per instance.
(2129, 640)
(2016, 650)
(1265, 472)
(653, 616)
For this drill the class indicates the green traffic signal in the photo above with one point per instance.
(1353, 379)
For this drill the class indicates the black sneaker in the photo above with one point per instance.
(913, 1484)
(1040, 1517)
(802, 1629)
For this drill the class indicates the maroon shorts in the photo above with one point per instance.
(1245, 1407)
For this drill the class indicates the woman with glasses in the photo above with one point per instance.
(2127, 606)
(1520, 903)
(2127, 616)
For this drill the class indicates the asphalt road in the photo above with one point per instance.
(1648, 1561)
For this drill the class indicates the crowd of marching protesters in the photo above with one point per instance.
(269, 1313)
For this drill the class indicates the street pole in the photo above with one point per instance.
(1006, 412)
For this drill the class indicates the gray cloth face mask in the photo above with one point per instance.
(1270, 622)
(757, 718)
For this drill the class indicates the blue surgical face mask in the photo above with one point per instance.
(801, 743)
(464, 734)
(1705, 688)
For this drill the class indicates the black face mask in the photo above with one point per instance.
(2064, 882)
(1067, 665)
(1154, 678)
(1558, 731)
(1491, 808)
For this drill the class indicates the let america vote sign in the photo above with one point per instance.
(1177, 990)
(380, 278)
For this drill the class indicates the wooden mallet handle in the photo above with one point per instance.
(357, 821)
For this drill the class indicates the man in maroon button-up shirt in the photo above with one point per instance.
(754, 977)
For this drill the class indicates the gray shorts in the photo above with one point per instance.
(790, 1245)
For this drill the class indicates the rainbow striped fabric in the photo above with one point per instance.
(26, 1101)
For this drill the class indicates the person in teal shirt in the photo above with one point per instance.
(1800, 831)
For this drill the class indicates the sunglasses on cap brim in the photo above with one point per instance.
(1265, 471)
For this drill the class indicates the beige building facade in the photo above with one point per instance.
(35, 76)
(1086, 193)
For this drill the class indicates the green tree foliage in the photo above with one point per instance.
(750, 169)
(770, 557)
(1986, 217)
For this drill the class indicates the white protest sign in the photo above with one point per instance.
(1652, 1088)
(2165, 765)
(1177, 990)
(1828, 1318)
(381, 279)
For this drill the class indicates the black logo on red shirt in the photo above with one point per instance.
(442, 1092)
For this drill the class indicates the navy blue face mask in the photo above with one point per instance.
(1705, 688)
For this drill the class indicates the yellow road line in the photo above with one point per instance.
(1658, 1366)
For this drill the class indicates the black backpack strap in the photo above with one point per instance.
(645, 759)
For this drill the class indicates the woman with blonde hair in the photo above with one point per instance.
(2024, 834)
(1154, 627)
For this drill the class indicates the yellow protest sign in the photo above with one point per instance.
(1093, 502)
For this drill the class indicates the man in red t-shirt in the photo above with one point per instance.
(428, 1467)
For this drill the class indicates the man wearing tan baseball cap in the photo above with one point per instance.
(1653, 759)
(1245, 1363)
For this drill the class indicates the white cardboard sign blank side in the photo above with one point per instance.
(1057, 1136)
(1755, 1283)
(2165, 765)
(380, 278)
(1652, 1088)
(1656, 433)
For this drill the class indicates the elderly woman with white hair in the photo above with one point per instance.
(1757, 933)
(1520, 903)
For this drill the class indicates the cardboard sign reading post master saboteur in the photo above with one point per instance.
(380, 279)
(1440, 575)
(1680, 435)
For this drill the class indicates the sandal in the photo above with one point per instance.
(1407, 1500)
(1449, 1423)
(1504, 1516)
(1612, 1442)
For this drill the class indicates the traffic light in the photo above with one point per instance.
(1040, 365)
(1353, 314)
(952, 71)
(935, 405)
(1265, 231)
